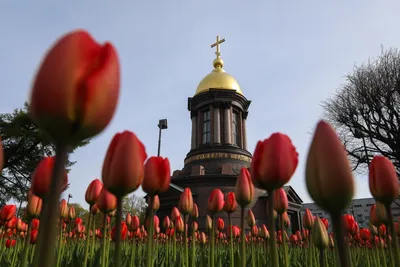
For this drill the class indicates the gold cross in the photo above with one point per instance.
(217, 43)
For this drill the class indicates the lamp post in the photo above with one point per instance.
(69, 196)
(162, 124)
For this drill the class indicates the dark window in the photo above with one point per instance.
(206, 127)
(235, 129)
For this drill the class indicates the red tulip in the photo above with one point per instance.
(8, 212)
(244, 189)
(274, 161)
(372, 216)
(216, 201)
(76, 89)
(10, 243)
(308, 220)
(41, 178)
(124, 232)
(135, 223)
(166, 222)
(106, 202)
(155, 205)
(382, 230)
(325, 222)
(123, 167)
(186, 202)
(220, 224)
(175, 214)
(329, 178)
(93, 191)
(365, 234)
(34, 234)
(281, 203)
(348, 223)
(179, 225)
(35, 224)
(128, 219)
(286, 220)
(157, 175)
(383, 181)
(94, 209)
(230, 203)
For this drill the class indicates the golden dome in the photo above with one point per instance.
(218, 79)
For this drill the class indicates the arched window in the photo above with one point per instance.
(206, 127)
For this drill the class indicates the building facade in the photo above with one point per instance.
(359, 208)
(218, 151)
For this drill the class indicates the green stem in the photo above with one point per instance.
(26, 245)
(87, 240)
(212, 238)
(344, 255)
(322, 260)
(242, 238)
(117, 253)
(395, 239)
(47, 235)
(60, 244)
(93, 237)
(232, 263)
(185, 237)
(193, 245)
(271, 227)
(104, 245)
(150, 236)
(284, 243)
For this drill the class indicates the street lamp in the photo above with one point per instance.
(162, 124)
(69, 196)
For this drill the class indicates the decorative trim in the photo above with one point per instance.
(218, 155)
(245, 114)
(227, 105)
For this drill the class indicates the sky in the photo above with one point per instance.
(288, 57)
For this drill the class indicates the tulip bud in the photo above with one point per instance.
(106, 201)
(329, 178)
(209, 223)
(372, 228)
(220, 224)
(274, 161)
(128, 219)
(94, 209)
(216, 201)
(320, 235)
(42, 176)
(383, 181)
(325, 222)
(166, 222)
(281, 203)
(155, 205)
(285, 219)
(71, 213)
(175, 214)
(123, 167)
(230, 203)
(244, 189)
(373, 218)
(186, 202)
(157, 175)
(308, 220)
(195, 226)
(76, 89)
(264, 232)
(195, 211)
(179, 225)
(34, 206)
(63, 209)
(135, 223)
(93, 191)
(251, 220)
(203, 238)
(381, 213)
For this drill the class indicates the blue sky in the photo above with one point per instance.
(287, 57)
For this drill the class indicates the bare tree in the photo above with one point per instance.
(134, 205)
(366, 110)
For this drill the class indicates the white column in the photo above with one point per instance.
(217, 126)
(227, 125)
(194, 131)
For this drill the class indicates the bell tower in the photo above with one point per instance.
(218, 111)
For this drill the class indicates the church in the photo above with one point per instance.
(218, 111)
